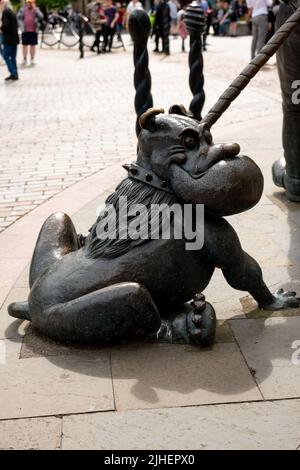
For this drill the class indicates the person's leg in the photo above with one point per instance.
(233, 28)
(221, 29)
(1, 45)
(226, 27)
(32, 53)
(111, 37)
(95, 42)
(25, 52)
(286, 172)
(165, 40)
(204, 41)
(7, 57)
(105, 37)
(156, 42)
(254, 37)
(262, 31)
(14, 61)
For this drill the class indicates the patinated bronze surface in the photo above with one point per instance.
(95, 290)
(286, 171)
(110, 290)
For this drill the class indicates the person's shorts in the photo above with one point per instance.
(29, 39)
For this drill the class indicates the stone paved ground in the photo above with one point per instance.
(244, 392)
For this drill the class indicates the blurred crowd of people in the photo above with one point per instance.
(108, 18)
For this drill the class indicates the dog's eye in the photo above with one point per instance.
(190, 142)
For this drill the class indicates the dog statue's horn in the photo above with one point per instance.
(147, 120)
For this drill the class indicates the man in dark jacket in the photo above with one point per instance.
(10, 40)
(162, 26)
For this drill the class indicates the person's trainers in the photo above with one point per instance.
(32, 63)
(8, 78)
(14, 77)
(24, 63)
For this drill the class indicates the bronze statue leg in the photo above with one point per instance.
(286, 172)
(103, 316)
(245, 274)
(56, 238)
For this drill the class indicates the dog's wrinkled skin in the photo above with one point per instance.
(107, 292)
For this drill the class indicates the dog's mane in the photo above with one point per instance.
(136, 192)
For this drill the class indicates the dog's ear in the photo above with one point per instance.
(179, 109)
(147, 119)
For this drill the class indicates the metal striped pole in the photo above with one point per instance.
(139, 29)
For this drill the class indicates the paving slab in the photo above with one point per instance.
(31, 434)
(252, 311)
(271, 348)
(265, 425)
(23, 279)
(159, 375)
(65, 384)
(34, 345)
(223, 297)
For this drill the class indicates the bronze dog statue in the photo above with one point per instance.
(102, 291)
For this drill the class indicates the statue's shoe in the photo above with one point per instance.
(278, 171)
(283, 180)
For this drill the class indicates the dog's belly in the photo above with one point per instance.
(170, 273)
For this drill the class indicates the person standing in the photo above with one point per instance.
(98, 20)
(181, 27)
(112, 16)
(132, 6)
(29, 18)
(259, 13)
(162, 26)
(10, 39)
(174, 8)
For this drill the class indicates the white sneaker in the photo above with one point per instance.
(32, 63)
(24, 63)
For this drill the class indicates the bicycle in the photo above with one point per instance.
(59, 30)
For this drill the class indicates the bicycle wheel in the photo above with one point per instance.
(69, 36)
(50, 36)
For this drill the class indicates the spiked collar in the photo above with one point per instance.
(147, 177)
